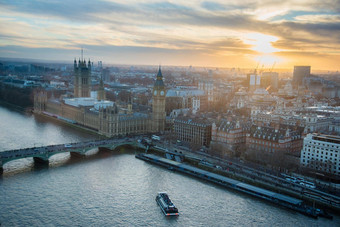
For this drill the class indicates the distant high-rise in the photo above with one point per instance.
(106, 75)
(82, 79)
(300, 72)
(100, 64)
(270, 80)
(253, 81)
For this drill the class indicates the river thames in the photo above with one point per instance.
(114, 189)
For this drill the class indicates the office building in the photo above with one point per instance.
(299, 74)
(321, 152)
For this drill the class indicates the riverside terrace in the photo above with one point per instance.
(42, 154)
(277, 198)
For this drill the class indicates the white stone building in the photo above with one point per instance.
(321, 152)
(208, 87)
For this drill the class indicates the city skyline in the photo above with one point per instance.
(198, 33)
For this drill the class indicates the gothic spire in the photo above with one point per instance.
(159, 74)
(159, 84)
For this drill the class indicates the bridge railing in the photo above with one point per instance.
(49, 150)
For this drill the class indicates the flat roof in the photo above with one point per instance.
(255, 189)
(270, 193)
(226, 179)
(168, 161)
(326, 138)
(194, 169)
(287, 199)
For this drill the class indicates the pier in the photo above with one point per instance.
(277, 198)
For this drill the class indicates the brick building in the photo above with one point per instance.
(230, 133)
(280, 138)
(193, 130)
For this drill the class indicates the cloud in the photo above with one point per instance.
(201, 27)
(296, 35)
(125, 55)
(213, 6)
(318, 18)
(73, 10)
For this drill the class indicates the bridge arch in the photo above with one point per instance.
(45, 153)
(36, 158)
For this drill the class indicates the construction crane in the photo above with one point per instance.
(261, 69)
(256, 67)
(272, 67)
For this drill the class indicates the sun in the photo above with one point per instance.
(268, 60)
(261, 43)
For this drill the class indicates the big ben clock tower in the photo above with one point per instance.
(158, 103)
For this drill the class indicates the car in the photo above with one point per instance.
(291, 179)
(310, 185)
(67, 145)
(307, 184)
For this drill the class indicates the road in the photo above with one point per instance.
(257, 175)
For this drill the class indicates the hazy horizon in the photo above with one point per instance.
(222, 34)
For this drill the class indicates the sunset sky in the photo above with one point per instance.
(192, 32)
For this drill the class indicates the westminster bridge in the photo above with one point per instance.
(43, 153)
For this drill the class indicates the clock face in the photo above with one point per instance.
(162, 92)
(155, 92)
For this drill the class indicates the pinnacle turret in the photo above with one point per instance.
(89, 64)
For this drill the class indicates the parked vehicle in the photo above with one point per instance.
(154, 137)
(291, 179)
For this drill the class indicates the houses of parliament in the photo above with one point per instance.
(98, 114)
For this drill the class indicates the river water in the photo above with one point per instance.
(114, 189)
